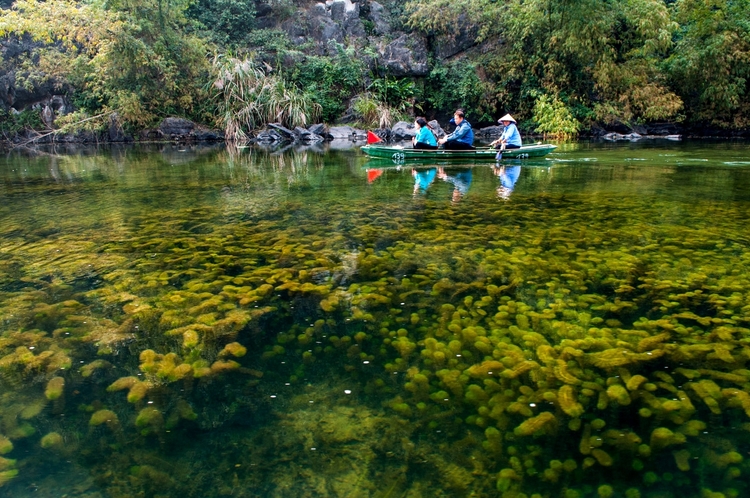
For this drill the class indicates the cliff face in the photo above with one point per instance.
(371, 24)
(18, 92)
(368, 26)
(360, 23)
(374, 29)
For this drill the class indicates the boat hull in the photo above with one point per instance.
(400, 155)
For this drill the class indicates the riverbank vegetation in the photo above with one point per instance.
(561, 67)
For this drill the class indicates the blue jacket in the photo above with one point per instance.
(511, 135)
(426, 136)
(463, 133)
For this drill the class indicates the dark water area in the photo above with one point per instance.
(234, 322)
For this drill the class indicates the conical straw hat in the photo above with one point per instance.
(507, 117)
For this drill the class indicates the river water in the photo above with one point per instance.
(205, 322)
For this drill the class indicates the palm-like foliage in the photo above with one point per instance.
(249, 96)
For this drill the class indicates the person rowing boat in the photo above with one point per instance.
(510, 138)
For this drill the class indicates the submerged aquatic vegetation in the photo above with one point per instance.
(559, 345)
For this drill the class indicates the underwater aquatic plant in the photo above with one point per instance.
(54, 388)
(51, 440)
(582, 356)
(104, 417)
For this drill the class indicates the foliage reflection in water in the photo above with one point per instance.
(246, 324)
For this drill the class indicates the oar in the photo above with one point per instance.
(499, 155)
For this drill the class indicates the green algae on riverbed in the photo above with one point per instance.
(255, 325)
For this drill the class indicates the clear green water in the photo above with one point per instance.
(200, 323)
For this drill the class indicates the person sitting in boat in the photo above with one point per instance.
(425, 138)
(462, 137)
(510, 138)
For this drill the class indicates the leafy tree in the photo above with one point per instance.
(553, 118)
(227, 23)
(586, 53)
(458, 84)
(131, 57)
(153, 69)
(711, 62)
(330, 81)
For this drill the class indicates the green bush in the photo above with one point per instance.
(372, 112)
(248, 96)
(329, 81)
(12, 123)
(395, 93)
(554, 119)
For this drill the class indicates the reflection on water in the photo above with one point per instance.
(460, 180)
(508, 176)
(244, 322)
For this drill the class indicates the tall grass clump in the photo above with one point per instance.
(250, 96)
(371, 112)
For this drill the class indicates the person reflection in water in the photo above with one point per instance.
(461, 182)
(508, 177)
(423, 179)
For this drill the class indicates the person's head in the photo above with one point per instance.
(506, 120)
(458, 116)
(421, 122)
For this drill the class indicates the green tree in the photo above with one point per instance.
(553, 118)
(589, 54)
(227, 23)
(711, 62)
(458, 84)
(153, 69)
(122, 58)
(330, 81)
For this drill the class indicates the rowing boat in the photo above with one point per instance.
(400, 154)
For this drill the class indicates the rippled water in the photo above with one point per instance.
(210, 322)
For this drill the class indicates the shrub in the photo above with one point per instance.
(553, 118)
(249, 96)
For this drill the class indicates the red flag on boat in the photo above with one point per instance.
(373, 174)
(372, 138)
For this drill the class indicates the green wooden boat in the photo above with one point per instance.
(400, 155)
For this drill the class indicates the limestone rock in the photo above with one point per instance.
(406, 56)
(176, 127)
(380, 18)
(403, 131)
(341, 132)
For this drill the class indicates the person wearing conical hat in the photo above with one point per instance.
(511, 138)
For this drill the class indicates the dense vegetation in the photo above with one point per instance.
(562, 66)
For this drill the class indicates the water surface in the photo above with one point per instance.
(210, 322)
